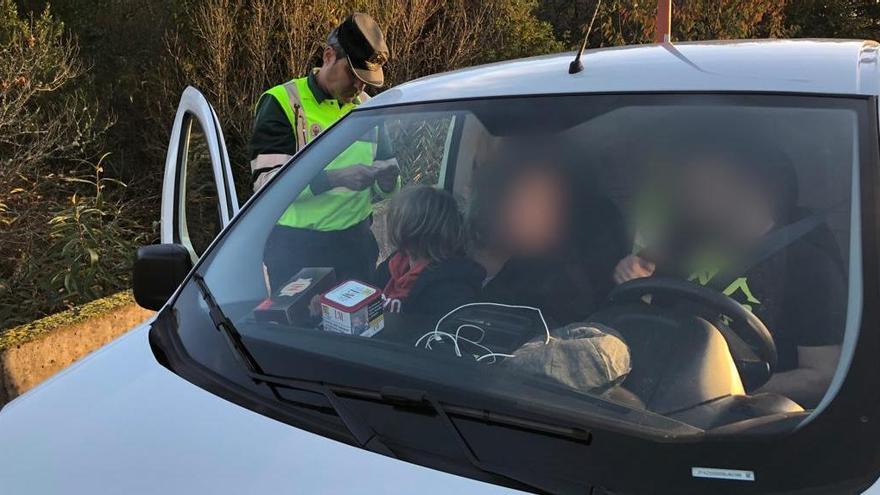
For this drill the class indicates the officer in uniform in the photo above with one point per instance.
(328, 224)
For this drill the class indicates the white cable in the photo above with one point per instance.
(490, 354)
(455, 340)
(509, 306)
(437, 335)
(494, 355)
(468, 325)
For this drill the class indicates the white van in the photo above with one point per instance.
(742, 175)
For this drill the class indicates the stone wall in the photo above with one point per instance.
(35, 351)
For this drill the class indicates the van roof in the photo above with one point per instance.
(840, 67)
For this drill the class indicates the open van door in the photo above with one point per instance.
(198, 192)
(198, 201)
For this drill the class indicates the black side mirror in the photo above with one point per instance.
(158, 271)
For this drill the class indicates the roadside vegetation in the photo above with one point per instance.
(88, 89)
(67, 230)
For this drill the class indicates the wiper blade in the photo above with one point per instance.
(402, 399)
(365, 436)
(227, 328)
(419, 399)
(406, 398)
(363, 433)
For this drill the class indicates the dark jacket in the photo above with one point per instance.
(570, 285)
(439, 289)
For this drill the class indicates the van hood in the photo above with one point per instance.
(119, 422)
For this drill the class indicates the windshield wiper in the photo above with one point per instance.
(365, 436)
(403, 399)
(418, 399)
(227, 328)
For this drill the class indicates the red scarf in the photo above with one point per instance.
(403, 276)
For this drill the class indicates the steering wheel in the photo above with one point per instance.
(747, 327)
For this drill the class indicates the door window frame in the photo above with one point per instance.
(194, 106)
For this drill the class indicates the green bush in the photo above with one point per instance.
(833, 18)
(93, 239)
(64, 241)
(626, 22)
(85, 254)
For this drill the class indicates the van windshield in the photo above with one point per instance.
(668, 264)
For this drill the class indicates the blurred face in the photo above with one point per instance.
(337, 78)
(727, 204)
(534, 213)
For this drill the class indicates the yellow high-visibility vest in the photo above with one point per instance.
(339, 208)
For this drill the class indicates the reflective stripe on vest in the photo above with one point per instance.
(339, 208)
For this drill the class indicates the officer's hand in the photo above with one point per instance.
(387, 172)
(632, 267)
(356, 177)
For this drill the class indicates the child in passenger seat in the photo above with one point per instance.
(428, 274)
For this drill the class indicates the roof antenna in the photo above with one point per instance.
(576, 64)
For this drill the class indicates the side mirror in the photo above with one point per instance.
(158, 271)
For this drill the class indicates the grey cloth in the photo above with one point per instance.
(583, 356)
